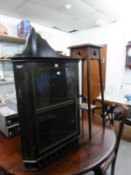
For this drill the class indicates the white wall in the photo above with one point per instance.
(58, 40)
(116, 36)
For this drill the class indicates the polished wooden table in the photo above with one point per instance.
(83, 158)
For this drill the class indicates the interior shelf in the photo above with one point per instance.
(12, 39)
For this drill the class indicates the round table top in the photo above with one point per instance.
(89, 153)
(84, 157)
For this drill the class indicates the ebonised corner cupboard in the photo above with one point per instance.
(47, 92)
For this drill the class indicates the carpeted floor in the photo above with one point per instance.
(123, 162)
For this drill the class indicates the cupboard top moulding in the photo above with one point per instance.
(12, 39)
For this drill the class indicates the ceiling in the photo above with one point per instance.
(83, 14)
